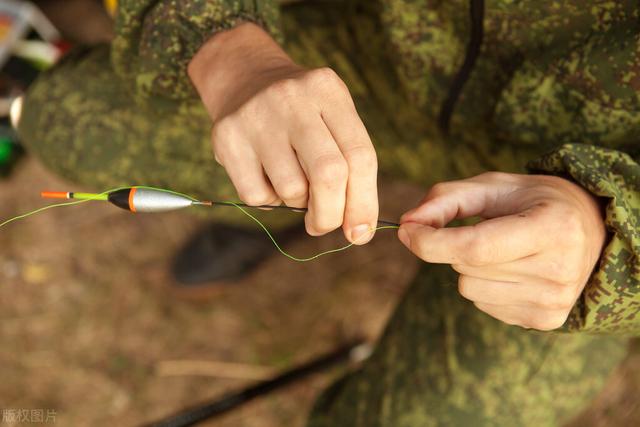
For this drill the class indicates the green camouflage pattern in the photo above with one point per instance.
(442, 362)
(555, 86)
(155, 39)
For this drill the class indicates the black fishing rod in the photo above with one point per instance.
(354, 352)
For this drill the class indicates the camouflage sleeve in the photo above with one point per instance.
(155, 39)
(610, 303)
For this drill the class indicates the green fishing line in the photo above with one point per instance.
(44, 208)
(311, 258)
(77, 202)
(266, 230)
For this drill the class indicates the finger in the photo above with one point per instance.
(285, 173)
(493, 241)
(245, 171)
(361, 209)
(492, 292)
(556, 267)
(526, 317)
(531, 268)
(515, 271)
(486, 195)
(326, 171)
(543, 295)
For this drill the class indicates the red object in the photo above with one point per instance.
(63, 46)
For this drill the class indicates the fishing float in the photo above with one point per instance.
(147, 199)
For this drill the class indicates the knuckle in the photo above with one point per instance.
(219, 153)
(293, 189)
(568, 219)
(556, 297)
(563, 272)
(255, 197)
(324, 225)
(222, 136)
(574, 234)
(464, 287)
(325, 76)
(460, 268)
(439, 189)
(566, 298)
(478, 251)
(362, 156)
(217, 146)
(495, 176)
(329, 169)
(222, 130)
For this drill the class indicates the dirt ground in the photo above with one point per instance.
(87, 318)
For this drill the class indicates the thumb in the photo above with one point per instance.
(428, 243)
(411, 232)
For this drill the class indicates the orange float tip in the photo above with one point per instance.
(54, 194)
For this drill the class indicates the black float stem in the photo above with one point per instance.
(288, 208)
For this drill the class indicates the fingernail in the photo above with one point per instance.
(403, 235)
(358, 233)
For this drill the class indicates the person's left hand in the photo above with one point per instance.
(528, 262)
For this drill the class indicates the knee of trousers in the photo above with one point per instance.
(57, 110)
(443, 362)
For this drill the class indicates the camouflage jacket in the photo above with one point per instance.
(563, 77)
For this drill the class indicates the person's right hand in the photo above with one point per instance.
(286, 133)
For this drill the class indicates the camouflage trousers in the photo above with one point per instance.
(440, 360)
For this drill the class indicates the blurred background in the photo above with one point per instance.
(89, 326)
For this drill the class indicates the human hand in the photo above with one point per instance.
(528, 262)
(283, 132)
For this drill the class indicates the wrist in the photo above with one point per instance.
(232, 60)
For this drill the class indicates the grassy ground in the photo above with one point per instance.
(87, 316)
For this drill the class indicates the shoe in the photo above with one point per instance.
(223, 254)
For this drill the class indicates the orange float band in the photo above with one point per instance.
(55, 194)
(132, 207)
